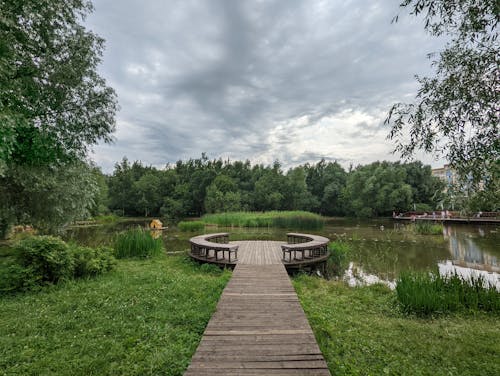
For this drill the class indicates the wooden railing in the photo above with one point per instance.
(211, 246)
(308, 246)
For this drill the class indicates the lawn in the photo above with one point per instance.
(361, 332)
(146, 317)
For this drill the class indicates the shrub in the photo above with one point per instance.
(44, 259)
(137, 243)
(427, 293)
(15, 277)
(92, 261)
(49, 258)
(191, 225)
(338, 260)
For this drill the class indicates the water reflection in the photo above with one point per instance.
(468, 259)
(355, 276)
(467, 253)
(490, 279)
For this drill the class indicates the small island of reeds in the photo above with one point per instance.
(300, 220)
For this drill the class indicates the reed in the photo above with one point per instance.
(191, 225)
(428, 293)
(138, 243)
(428, 228)
(338, 261)
(281, 219)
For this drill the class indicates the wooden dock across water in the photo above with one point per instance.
(259, 327)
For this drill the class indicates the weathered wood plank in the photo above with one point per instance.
(259, 327)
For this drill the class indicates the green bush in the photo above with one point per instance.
(137, 243)
(92, 261)
(49, 258)
(427, 293)
(15, 277)
(191, 225)
(41, 260)
(338, 260)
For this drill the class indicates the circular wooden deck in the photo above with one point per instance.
(261, 252)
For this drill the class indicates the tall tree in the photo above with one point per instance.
(455, 113)
(377, 189)
(53, 104)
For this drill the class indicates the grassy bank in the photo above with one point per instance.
(146, 317)
(360, 332)
(281, 219)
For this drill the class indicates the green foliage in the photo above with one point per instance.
(47, 197)
(360, 332)
(428, 228)
(426, 293)
(326, 182)
(222, 195)
(49, 258)
(455, 112)
(53, 102)
(377, 189)
(43, 260)
(338, 261)
(145, 318)
(199, 186)
(53, 106)
(15, 277)
(281, 219)
(191, 225)
(92, 261)
(137, 242)
(420, 207)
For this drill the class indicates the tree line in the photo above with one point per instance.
(197, 186)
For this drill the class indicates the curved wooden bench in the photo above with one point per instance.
(201, 246)
(310, 246)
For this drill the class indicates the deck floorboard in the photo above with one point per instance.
(259, 327)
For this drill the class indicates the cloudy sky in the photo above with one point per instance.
(262, 80)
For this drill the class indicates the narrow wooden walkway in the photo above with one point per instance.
(259, 327)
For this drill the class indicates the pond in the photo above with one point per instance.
(381, 248)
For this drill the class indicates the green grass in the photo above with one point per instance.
(144, 318)
(191, 225)
(300, 220)
(425, 293)
(361, 332)
(137, 242)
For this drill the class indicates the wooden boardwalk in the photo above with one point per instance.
(260, 252)
(259, 327)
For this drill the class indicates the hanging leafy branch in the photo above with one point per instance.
(456, 113)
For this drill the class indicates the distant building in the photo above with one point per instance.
(446, 174)
(451, 178)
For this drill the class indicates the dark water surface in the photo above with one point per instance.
(381, 248)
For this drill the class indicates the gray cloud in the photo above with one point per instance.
(250, 79)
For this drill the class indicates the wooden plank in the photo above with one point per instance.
(259, 327)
